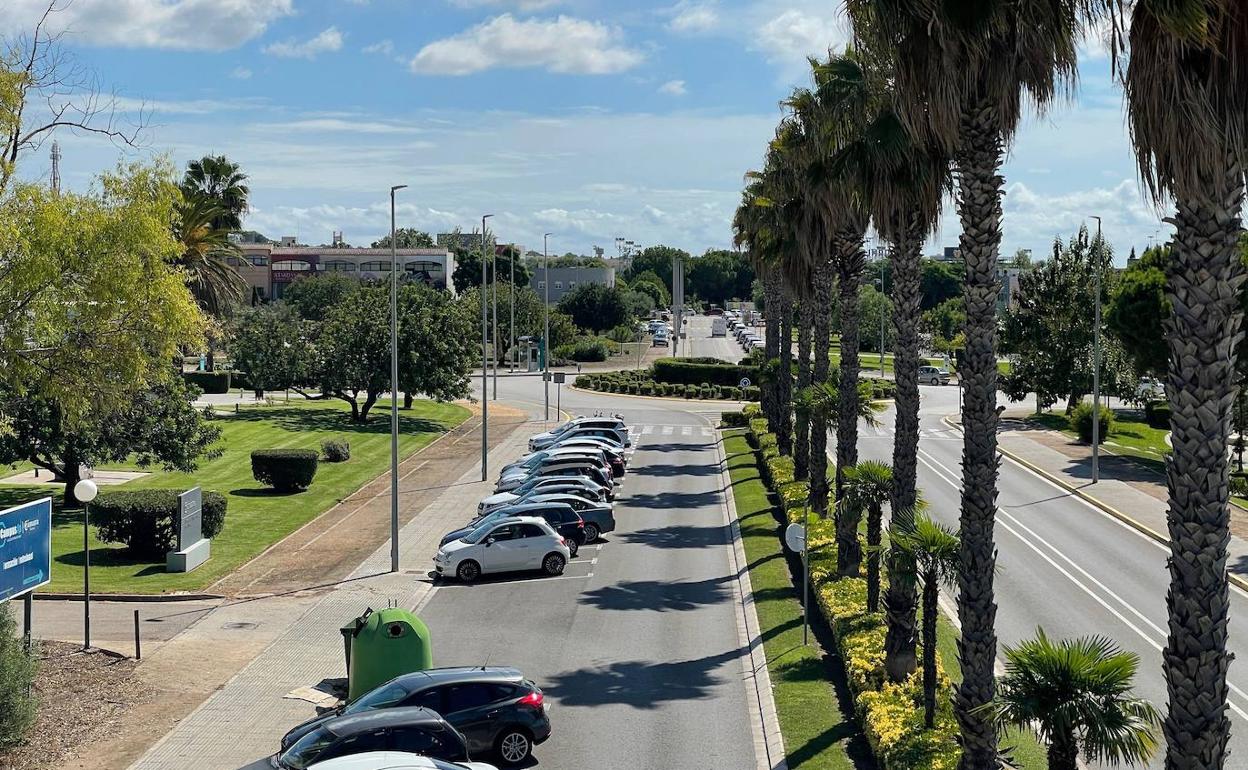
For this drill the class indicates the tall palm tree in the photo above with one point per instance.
(219, 179)
(931, 551)
(215, 283)
(1185, 81)
(868, 485)
(801, 419)
(1076, 695)
(962, 73)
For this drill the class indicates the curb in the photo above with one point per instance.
(1138, 526)
(136, 598)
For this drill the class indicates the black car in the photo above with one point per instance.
(416, 730)
(497, 710)
(559, 515)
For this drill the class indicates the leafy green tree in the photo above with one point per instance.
(596, 307)
(352, 351)
(270, 345)
(718, 276)
(18, 703)
(158, 425)
(313, 297)
(639, 303)
(651, 284)
(407, 238)
(657, 260)
(872, 307)
(1137, 308)
(91, 308)
(1075, 694)
(944, 322)
(467, 271)
(437, 344)
(217, 179)
(529, 316)
(939, 282)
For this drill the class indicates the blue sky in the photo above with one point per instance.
(589, 119)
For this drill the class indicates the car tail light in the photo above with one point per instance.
(580, 524)
(532, 700)
(563, 541)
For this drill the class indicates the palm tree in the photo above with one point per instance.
(930, 552)
(1185, 86)
(1076, 695)
(868, 485)
(962, 73)
(216, 285)
(217, 178)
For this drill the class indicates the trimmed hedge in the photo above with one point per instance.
(586, 349)
(1081, 422)
(144, 520)
(208, 382)
(699, 371)
(286, 470)
(891, 714)
(638, 382)
(336, 450)
(1157, 414)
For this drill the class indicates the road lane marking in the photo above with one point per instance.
(646, 429)
(686, 431)
(667, 430)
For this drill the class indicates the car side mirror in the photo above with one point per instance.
(489, 542)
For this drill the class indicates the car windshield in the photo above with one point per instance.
(306, 749)
(478, 534)
(380, 698)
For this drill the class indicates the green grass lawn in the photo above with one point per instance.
(256, 517)
(1130, 436)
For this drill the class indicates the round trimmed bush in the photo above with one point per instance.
(1157, 414)
(1081, 422)
(336, 450)
(286, 470)
(144, 520)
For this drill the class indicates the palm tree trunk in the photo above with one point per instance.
(848, 546)
(875, 516)
(850, 259)
(1203, 282)
(770, 391)
(931, 591)
(784, 389)
(801, 436)
(821, 343)
(900, 638)
(978, 161)
(1063, 753)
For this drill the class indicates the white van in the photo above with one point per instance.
(719, 327)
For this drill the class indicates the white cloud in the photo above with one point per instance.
(159, 107)
(794, 34)
(328, 41)
(346, 125)
(563, 45)
(202, 25)
(692, 18)
(240, 73)
(384, 47)
(673, 88)
(522, 5)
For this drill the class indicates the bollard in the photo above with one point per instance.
(138, 648)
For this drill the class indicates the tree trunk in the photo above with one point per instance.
(258, 393)
(875, 516)
(369, 400)
(850, 259)
(821, 342)
(901, 637)
(70, 475)
(355, 405)
(770, 392)
(978, 161)
(848, 546)
(784, 389)
(1203, 281)
(408, 398)
(931, 590)
(1063, 753)
(801, 436)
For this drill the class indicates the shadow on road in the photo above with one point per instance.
(678, 470)
(660, 596)
(640, 684)
(681, 500)
(679, 536)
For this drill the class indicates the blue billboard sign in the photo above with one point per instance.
(25, 547)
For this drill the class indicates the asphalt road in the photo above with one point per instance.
(1064, 565)
(636, 646)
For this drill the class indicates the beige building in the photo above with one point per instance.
(269, 268)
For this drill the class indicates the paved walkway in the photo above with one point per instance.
(239, 726)
(1131, 492)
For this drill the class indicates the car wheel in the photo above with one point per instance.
(468, 571)
(553, 564)
(591, 533)
(935, 381)
(573, 547)
(514, 746)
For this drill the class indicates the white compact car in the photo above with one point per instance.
(395, 760)
(513, 545)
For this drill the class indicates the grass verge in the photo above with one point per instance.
(256, 517)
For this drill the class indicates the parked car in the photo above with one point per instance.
(660, 339)
(604, 427)
(573, 463)
(613, 452)
(495, 708)
(413, 729)
(561, 516)
(1149, 389)
(596, 517)
(572, 485)
(395, 760)
(552, 453)
(511, 545)
(933, 375)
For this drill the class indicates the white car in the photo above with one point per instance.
(1149, 389)
(512, 545)
(395, 760)
(594, 427)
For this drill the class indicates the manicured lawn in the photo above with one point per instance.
(256, 516)
(1130, 436)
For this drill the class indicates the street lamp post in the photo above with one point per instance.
(85, 491)
(485, 401)
(546, 321)
(1096, 356)
(493, 311)
(511, 305)
(394, 389)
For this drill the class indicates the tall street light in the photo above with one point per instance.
(511, 304)
(485, 401)
(493, 311)
(546, 321)
(1096, 354)
(394, 388)
(85, 491)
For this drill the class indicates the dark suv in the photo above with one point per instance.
(561, 516)
(496, 708)
(414, 730)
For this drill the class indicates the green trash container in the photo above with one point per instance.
(382, 645)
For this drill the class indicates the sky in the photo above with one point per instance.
(586, 119)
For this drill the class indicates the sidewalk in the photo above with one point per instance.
(240, 724)
(1126, 490)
